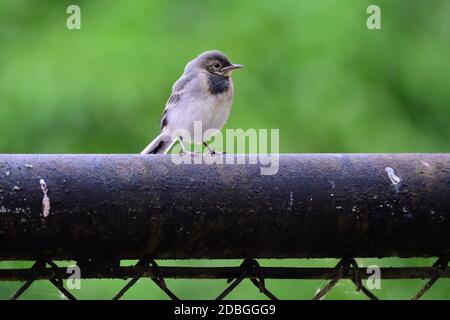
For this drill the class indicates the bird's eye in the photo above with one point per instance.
(217, 65)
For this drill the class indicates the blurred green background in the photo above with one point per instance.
(312, 70)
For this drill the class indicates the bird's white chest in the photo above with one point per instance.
(214, 113)
(206, 111)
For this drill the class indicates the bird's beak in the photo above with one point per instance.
(232, 67)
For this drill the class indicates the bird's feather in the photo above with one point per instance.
(175, 97)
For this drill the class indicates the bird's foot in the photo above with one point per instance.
(213, 152)
(188, 153)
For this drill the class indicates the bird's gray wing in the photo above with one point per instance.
(175, 97)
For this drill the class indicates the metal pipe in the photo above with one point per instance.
(112, 207)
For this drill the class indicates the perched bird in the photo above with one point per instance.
(203, 93)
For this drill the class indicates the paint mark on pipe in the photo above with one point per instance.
(291, 201)
(45, 200)
(426, 164)
(392, 176)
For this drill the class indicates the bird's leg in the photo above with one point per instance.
(183, 148)
(211, 150)
(184, 151)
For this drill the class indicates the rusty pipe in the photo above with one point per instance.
(113, 207)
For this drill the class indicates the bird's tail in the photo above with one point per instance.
(161, 144)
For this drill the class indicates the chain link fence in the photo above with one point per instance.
(249, 270)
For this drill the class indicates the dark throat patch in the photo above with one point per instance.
(218, 84)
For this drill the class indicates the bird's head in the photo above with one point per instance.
(214, 62)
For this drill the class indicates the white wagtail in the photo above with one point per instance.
(204, 93)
